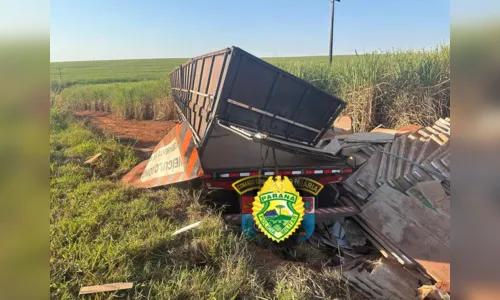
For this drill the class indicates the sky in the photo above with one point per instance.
(112, 29)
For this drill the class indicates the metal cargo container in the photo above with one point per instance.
(239, 89)
(243, 121)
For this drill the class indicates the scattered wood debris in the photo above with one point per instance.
(382, 279)
(405, 161)
(421, 233)
(189, 227)
(111, 287)
(403, 192)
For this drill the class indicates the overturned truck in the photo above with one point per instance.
(250, 129)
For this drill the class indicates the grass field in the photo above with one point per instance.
(393, 89)
(107, 71)
(133, 70)
(102, 231)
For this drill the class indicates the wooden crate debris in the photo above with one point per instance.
(418, 231)
(382, 279)
(405, 161)
(403, 191)
(110, 287)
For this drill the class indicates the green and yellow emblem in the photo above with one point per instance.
(278, 208)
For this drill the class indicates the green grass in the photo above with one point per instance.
(102, 231)
(109, 71)
(393, 89)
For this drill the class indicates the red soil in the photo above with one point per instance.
(139, 134)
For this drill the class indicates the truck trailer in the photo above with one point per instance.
(244, 120)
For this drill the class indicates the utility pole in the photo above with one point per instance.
(331, 30)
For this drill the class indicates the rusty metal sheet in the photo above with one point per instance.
(174, 159)
(194, 88)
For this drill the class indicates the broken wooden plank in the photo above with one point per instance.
(381, 279)
(382, 171)
(376, 240)
(434, 192)
(367, 179)
(438, 140)
(92, 159)
(416, 194)
(446, 160)
(360, 286)
(438, 165)
(384, 244)
(189, 227)
(445, 138)
(415, 211)
(351, 185)
(111, 287)
(386, 292)
(427, 148)
(394, 277)
(415, 146)
(391, 166)
(422, 174)
(370, 137)
(444, 124)
(404, 149)
(440, 129)
(424, 133)
(431, 130)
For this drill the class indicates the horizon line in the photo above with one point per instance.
(423, 49)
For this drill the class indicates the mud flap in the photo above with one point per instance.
(174, 159)
(306, 228)
(247, 222)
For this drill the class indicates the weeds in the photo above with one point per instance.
(393, 88)
(144, 100)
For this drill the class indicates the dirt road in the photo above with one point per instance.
(141, 135)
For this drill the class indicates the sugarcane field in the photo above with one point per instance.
(242, 171)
